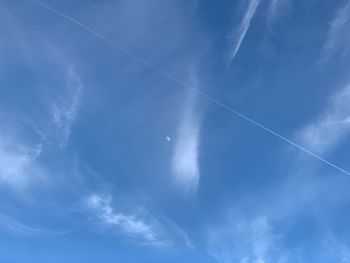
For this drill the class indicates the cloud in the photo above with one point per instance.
(18, 163)
(185, 161)
(26, 136)
(239, 35)
(275, 10)
(289, 201)
(263, 239)
(338, 35)
(245, 242)
(128, 224)
(59, 89)
(320, 136)
(339, 249)
(292, 201)
(14, 226)
(140, 225)
(331, 127)
(64, 110)
(185, 158)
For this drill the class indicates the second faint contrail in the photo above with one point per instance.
(185, 85)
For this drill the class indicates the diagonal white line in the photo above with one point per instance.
(185, 85)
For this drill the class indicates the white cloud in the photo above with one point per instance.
(185, 158)
(332, 126)
(64, 110)
(140, 225)
(239, 35)
(63, 86)
(256, 241)
(275, 10)
(338, 34)
(263, 239)
(185, 162)
(128, 224)
(18, 164)
(245, 242)
(15, 227)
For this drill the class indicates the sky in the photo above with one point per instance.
(174, 131)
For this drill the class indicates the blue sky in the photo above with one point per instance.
(174, 131)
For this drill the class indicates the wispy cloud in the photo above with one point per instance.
(275, 10)
(245, 242)
(339, 249)
(185, 158)
(185, 161)
(321, 136)
(263, 239)
(331, 127)
(128, 224)
(338, 34)
(238, 35)
(312, 191)
(140, 225)
(18, 163)
(63, 94)
(64, 110)
(16, 227)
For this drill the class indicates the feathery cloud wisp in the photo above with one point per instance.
(185, 159)
(14, 226)
(239, 34)
(338, 34)
(276, 7)
(65, 110)
(18, 166)
(128, 224)
(246, 242)
(332, 126)
(140, 225)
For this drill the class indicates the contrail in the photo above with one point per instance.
(185, 85)
(244, 27)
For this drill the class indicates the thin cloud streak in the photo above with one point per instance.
(331, 127)
(14, 226)
(242, 30)
(65, 110)
(338, 34)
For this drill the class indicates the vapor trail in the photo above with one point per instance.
(185, 85)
